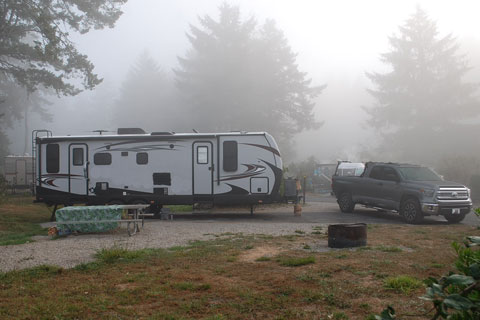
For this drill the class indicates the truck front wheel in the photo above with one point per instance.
(411, 212)
(346, 203)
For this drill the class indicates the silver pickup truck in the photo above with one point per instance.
(411, 190)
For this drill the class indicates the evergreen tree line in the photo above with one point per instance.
(239, 74)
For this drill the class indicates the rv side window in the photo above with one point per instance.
(53, 158)
(142, 158)
(77, 155)
(102, 159)
(230, 156)
(202, 155)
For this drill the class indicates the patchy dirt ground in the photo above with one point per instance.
(242, 276)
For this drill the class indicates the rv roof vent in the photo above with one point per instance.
(130, 131)
(161, 133)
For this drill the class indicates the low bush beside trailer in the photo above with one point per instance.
(162, 168)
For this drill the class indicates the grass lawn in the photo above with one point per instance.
(20, 218)
(237, 276)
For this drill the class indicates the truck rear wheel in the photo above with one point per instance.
(411, 212)
(346, 203)
(454, 218)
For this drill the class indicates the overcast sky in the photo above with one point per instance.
(330, 37)
(336, 41)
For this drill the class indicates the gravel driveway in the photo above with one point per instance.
(76, 249)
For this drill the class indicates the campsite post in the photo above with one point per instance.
(304, 187)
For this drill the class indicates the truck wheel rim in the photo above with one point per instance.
(410, 212)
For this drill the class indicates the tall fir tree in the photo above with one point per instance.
(242, 76)
(36, 47)
(37, 54)
(422, 105)
(146, 97)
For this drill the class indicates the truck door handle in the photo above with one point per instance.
(380, 183)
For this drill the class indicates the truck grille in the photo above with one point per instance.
(452, 193)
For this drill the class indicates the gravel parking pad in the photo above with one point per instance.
(76, 249)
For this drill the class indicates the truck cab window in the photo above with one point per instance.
(376, 173)
(390, 174)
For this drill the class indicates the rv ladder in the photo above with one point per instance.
(35, 135)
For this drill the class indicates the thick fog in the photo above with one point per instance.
(337, 44)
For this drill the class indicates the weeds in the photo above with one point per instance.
(121, 254)
(20, 219)
(264, 258)
(30, 274)
(189, 286)
(388, 249)
(196, 282)
(403, 284)
(296, 262)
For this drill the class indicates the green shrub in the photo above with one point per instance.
(456, 295)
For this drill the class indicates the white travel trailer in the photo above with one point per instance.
(133, 167)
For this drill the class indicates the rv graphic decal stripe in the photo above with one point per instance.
(252, 170)
(275, 151)
(50, 178)
(278, 176)
(235, 190)
(136, 141)
(143, 149)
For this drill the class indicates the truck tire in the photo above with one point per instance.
(346, 203)
(455, 218)
(410, 211)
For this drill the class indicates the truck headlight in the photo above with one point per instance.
(427, 192)
(468, 192)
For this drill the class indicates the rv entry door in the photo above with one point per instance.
(78, 169)
(202, 168)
